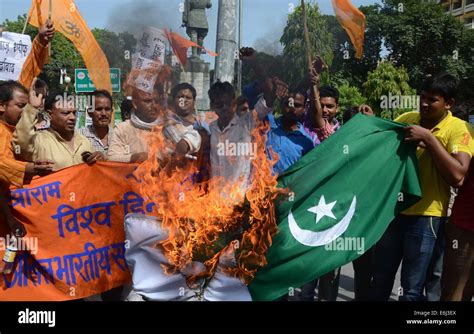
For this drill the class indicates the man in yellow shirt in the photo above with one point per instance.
(444, 151)
(60, 143)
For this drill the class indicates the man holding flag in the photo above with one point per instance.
(70, 23)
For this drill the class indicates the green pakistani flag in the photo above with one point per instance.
(343, 195)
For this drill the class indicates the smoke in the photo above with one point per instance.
(132, 17)
(269, 44)
(268, 40)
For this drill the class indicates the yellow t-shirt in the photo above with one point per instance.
(456, 136)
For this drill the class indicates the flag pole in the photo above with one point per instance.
(314, 90)
(50, 11)
(170, 40)
(26, 23)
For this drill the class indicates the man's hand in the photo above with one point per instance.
(366, 110)
(314, 73)
(273, 88)
(40, 167)
(34, 99)
(182, 148)
(46, 32)
(319, 65)
(139, 157)
(280, 87)
(16, 227)
(92, 158)
(416, 133)
(248, 55)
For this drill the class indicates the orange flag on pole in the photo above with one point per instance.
(69, 22)
(181, 45)
(353, 21)
(37, 57)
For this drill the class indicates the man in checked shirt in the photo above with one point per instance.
(100, 132)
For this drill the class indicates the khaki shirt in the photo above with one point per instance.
(32, 145)
(126, 140)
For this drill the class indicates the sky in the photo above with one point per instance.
(263, 20)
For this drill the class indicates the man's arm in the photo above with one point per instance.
(12, 171)
(452, 167)
(38, 56)
(119, 148)
(193, 139)
(24, 136)
(316, 112)
(249, 56)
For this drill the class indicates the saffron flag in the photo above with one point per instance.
(75, 242)
(180, 46)
(34, 63)
(353, 22)
(37, 57)
(343, 195)
(69, 22)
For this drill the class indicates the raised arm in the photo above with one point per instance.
(315, 110)
(24, 136)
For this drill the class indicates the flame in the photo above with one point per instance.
(201, 221)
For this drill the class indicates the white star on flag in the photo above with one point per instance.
(322, 209)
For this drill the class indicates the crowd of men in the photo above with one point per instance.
(38, 136)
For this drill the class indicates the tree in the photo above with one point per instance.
(118, 49)
(294, 51)
(63, 53)
(344, 63)
(272, 65)
(422, 38)
(350, 96)
(388, 92)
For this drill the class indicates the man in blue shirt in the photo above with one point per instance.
(287, 136)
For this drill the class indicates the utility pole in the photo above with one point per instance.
(239, 74)
(226, 41)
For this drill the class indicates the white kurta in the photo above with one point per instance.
(149, 280)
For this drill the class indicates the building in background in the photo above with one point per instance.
(463, 10)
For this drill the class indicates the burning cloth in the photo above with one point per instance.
(145, 261)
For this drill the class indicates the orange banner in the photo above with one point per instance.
(69, 22)
(180, 46)
(75, 243)
(353, 21)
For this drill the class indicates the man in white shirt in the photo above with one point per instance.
(232, 147)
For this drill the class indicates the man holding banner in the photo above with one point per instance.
(60, 143)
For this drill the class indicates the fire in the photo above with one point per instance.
(200, 220)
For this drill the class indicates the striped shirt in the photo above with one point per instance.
(91, 135)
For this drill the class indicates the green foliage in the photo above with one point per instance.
(387, 80)
(421, 37)
(344, 63)
(272, 65)
(349, 96)
(118, 49)
(294, 52)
